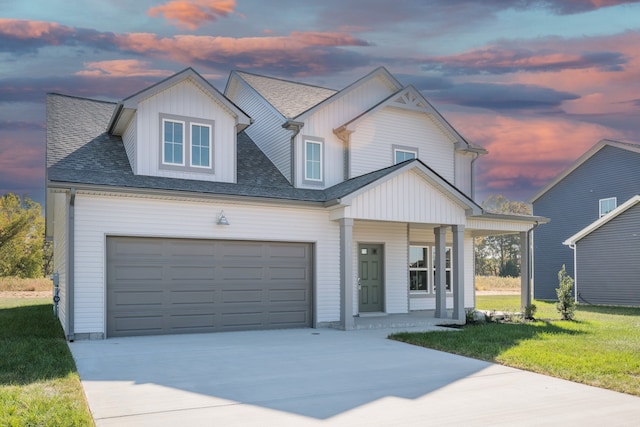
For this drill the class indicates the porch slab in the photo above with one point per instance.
(414, 319)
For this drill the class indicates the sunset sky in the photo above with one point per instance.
(535, 82)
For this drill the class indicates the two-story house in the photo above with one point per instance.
(276, 204)
(577, 202)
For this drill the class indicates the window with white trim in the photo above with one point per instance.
(186, 144)
(172, 142)
(402, 154)
(313, 160)
(607, 205)
(200, 145)
(421, 263)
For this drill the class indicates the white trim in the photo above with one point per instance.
(606, 199)
(306, 160)
(602, 221)
(210, 127)
(164, 141)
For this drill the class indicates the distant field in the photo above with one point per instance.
(495, 283)
(18, 284)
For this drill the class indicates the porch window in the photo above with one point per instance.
(607, 205)
(418, 268)
(421, 262)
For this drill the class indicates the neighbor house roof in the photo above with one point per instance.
(602, 221)
(586, 156)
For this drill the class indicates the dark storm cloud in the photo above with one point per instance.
(502, 96)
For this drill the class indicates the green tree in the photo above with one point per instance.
(499, 255)
(21, 237)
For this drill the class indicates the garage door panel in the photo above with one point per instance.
(192, 297)
(165, 286)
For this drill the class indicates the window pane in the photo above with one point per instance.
(417, 257)
(418, 280)
(172, 144)
(313, 164)
(200, 142)
(402, 155)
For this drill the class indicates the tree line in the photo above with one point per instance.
(23, 252)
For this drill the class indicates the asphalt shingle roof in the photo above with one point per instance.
(81, 151)
(290, 98)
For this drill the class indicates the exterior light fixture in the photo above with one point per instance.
(222, 220)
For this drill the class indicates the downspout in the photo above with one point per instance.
(575, 271)
(295, 127)
(473, 181)
(70, 266)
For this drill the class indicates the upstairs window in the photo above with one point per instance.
(313, 161)
(402, 154)
(200, 145)
(607, 205)
(186, 144)
(173, 142)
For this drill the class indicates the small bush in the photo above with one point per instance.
(530, 311)
(566, 304)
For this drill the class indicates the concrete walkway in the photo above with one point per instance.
(323, 377)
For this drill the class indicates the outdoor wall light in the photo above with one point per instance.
(222, 220)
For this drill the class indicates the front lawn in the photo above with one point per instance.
(600, 348)
(39, 384)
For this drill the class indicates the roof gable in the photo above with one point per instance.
(127, 107)
(582, 159)
(409, 98)
(344, 193)
(602, 221)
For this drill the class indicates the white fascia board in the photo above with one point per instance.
(602, 221)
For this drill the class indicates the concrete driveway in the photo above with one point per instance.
(309, 377)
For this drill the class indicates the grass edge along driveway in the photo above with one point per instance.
(39, 383)
(601, 348)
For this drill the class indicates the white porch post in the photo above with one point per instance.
(346, 273)
(441, 275)
(525, 270)
(458, 272)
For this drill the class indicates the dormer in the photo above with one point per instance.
(181, 127)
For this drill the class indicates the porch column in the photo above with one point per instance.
(525, 270)
(457, 262)
(441, 275)
(346, 273)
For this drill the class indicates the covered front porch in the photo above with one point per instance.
(414, 319)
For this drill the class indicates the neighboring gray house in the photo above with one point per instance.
(612, 241)
(603, 178)
(276, 204)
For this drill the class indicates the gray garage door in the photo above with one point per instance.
(171, 286)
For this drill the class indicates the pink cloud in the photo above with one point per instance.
(121, 68)
(527, 152)
(195, 13)
(25, 30)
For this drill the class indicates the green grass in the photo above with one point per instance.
(601, 348)
(39, 384)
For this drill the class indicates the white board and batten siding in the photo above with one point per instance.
(185, 99)
(406, 198)
(373, 140)
(98, 217)
(393, 237)
(463, 172)
(60, 248)
(333, 115)
(266, 129)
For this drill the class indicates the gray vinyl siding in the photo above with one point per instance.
(607, 262)
(572, 204)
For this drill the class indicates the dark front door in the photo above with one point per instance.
(370, 283)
